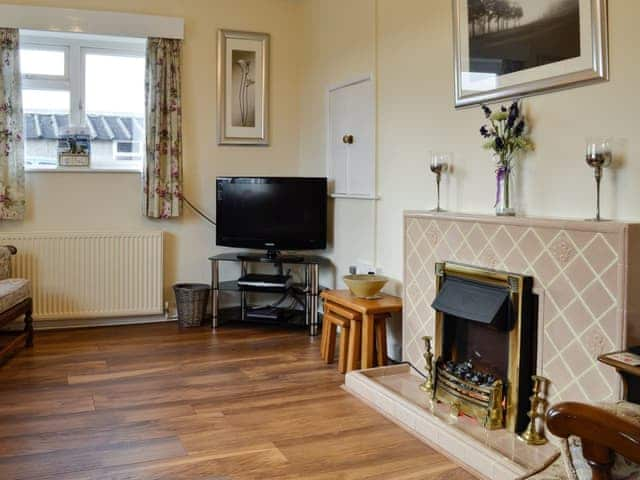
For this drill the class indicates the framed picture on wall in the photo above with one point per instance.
(243, 88)
(513, 48)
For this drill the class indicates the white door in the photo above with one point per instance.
(352, 139)
(339, 152)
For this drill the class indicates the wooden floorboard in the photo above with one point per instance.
(152, 402)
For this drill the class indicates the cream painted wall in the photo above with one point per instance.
(107, 202)
(340, 41)
(408, 44)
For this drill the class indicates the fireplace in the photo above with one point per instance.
(585, 275)
(485, 344)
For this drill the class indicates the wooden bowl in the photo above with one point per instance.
(365, 286)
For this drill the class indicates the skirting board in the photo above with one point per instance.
(41, 325)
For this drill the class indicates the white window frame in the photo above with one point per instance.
(36, 78)
(76, 46)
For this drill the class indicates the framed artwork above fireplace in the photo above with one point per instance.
(514, 48)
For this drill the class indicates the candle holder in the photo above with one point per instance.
(598, 157)
(427, 385)
(439, 164)
(534, 433)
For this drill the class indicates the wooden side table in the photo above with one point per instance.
(630, 376)
(386, 304)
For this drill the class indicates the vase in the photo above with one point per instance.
(504, 193)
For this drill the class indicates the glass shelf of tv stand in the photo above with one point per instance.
(291, 318)
(310, 290)
(232, 286)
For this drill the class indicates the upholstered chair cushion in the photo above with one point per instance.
(576, 466)
(555, 471)
(13, 291)
(5, 263)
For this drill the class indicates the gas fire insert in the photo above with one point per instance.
(485, 344)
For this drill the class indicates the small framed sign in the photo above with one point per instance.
(73, 160)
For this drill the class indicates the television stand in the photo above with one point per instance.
(308, 292)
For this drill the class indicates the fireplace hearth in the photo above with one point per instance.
(485, 344)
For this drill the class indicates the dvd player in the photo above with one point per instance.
(258, 280)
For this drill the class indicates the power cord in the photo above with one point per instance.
(199, 212)
(411, 365)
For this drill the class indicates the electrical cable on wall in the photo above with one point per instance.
(199, 212)
(207, 219)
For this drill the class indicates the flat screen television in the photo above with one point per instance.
(272, 213)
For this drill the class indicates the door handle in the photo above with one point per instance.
(347, 139)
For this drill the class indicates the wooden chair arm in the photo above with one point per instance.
(602, 433)
(11, 248)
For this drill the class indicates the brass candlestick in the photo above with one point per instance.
(427, 385)
(534, 433)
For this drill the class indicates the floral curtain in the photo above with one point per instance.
(11, 128)
(162, 173)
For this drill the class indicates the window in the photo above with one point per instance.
(44, 62)
(87, 84)
(128, 151)
(46, 113)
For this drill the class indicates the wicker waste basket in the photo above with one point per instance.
(191, 300)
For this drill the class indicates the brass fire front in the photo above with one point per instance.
(497, 399)
(482, 402)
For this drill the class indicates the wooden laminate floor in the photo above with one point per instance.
(150, 402)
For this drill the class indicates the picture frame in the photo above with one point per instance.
(532, 47)
(243, 88)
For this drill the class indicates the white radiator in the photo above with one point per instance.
(85, 275)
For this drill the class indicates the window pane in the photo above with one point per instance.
(42, 62)
(114, 99)
(114, 84)
(46, 114)
(45, 101)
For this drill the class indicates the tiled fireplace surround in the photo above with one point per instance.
(587, 278)
(582, 274)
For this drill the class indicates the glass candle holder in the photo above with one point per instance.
(598, 156)
(439, 164)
